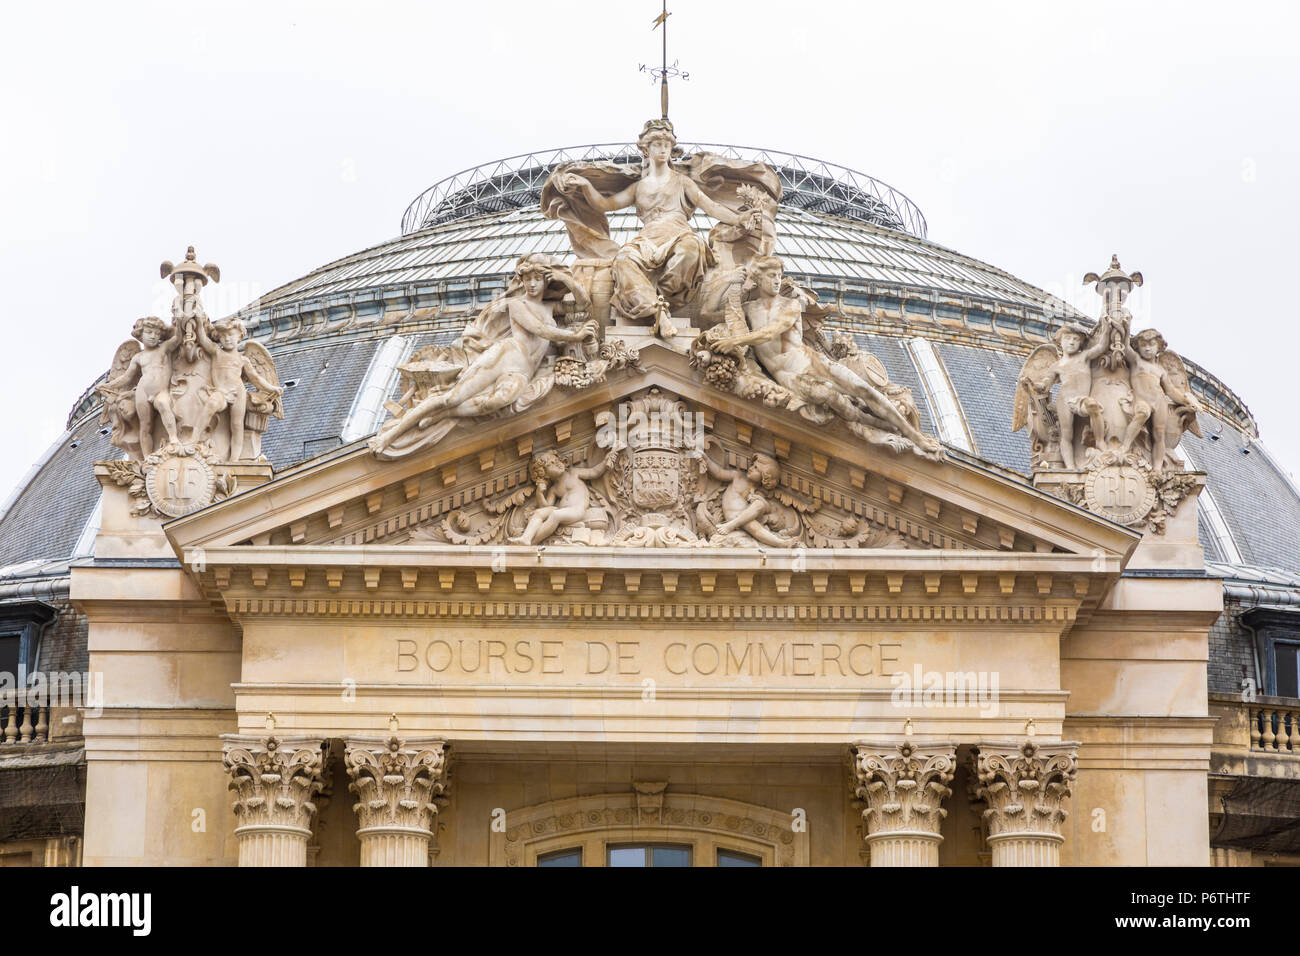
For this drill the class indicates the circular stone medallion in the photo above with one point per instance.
(1120, 493)
(179, 484)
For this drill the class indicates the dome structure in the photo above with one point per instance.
(951, 328)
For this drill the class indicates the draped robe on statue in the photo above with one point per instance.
(667, 257)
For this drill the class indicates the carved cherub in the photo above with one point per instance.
(230, 368)
(1069, 363)
(562, 493)
(1160, 395)
(744, 504)
(149, 368)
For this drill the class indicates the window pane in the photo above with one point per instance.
(1288, 670)
(671, 856)
(732, 858)
(641, 854)
(561, 858)
(627, 856)
(9, 654)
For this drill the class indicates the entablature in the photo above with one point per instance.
(655, 583)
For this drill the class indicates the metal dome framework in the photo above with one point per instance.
(516, 182)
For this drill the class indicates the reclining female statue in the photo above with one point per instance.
(496, 362)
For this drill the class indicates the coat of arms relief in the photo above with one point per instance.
(653, 475)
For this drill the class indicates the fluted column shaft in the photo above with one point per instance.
(275, 780)
(397, 783)
(903, 785)
(1026, 849)
(1024, 786)
(387, 846)
(271, 846)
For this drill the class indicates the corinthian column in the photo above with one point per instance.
(274, 780)
(903, 785)
(396, 782)
(1024, 788)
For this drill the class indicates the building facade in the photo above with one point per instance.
(647, 590)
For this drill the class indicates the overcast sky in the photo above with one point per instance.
(1039, 137)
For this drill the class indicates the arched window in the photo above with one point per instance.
(649, 828)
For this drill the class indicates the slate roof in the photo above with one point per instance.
(1258, 502)
(315, 408)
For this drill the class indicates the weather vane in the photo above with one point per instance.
(664, 70)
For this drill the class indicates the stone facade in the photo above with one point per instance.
(644, 557)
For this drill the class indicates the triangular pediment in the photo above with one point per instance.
(474, 488)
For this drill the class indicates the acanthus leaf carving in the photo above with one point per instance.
(275, 780)
(903, 785)
(1024, 787)
(397, 783)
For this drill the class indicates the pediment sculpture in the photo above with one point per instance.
(1107, 408)
(653, 476)
(179, 401)
(667, 267)
(771, 347)
(724, 299)
(499, 363)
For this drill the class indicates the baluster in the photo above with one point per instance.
(1270, 738)
(1255, 717)
(43, 725)
(1293, 740)
(11, 726)
(26, 726)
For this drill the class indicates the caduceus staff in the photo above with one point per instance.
(1113, 286)
(663, 71)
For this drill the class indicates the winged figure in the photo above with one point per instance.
(262, 406)
(496, 363)
(139, 387)
(1162, 399)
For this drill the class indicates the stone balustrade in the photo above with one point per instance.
(1274, 728)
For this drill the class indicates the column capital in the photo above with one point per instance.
(275, 779)
(903, 784)
(396, 781)
(1024, 786)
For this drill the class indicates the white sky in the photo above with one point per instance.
(1040, 137)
